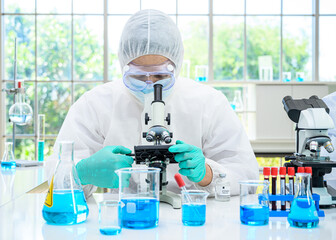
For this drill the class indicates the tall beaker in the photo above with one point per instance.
(8, 160)
(65, 202)
(303, 213)
(139, 191)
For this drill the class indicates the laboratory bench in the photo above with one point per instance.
(21, 218)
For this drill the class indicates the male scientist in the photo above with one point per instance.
(108, 121)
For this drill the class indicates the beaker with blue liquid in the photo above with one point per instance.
(303, 213)
(139, 192)
(194, 207)
(254, 202)
(65, 203)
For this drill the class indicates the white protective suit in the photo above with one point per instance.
(111, 114)
(330, 100)
(200, 115)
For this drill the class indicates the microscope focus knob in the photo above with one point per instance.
(147, 119)
(168, 119)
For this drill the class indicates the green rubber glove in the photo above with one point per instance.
(191, 160)
(99, 168)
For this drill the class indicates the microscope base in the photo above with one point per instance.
(171, 198)
(325, 197)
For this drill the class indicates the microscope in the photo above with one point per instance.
(312, 123)
(157, 155)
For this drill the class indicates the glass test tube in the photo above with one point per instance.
(274, 175)
(283, 186)
(310, 171)
(40, 136)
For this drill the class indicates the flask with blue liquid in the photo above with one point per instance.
(303, 213)
(8, 160)
(65, 203)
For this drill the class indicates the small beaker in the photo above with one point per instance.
(286, 76)
(303, 213)
(254, 202)
(194, 207)
(139, 192)
(300, 76)
(8, 160)
(109, 223)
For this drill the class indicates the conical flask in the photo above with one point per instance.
(8, 160)
(65, 202)
(303, 212)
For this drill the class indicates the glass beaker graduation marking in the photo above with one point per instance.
(65, 203)
(139, 191)
(254, 202)
(303, 213)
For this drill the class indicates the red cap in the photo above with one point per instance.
(267, 171)
(300, 170)
(291, 171)
(308, 170)
(282, 171)
(179, 180)
(19, 84)
(274, 171)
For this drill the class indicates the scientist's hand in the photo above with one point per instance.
(99, 168)
(191, 160)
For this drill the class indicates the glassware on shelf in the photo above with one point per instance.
(8, 160)
(65, 203)
(303, 213)
(185, 70)
(265, 68)
(286, 76)
(201, 73)
(20, 113)
(300, 76)
(237, 103)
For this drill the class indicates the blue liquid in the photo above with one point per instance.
(63, 210)
(201, 79)
(299, 79)
(193, 214)
(254, 214)
(40, 151)
(139, 213)
(20, 119)
(8, 165)
(110, 230)
(303, 213)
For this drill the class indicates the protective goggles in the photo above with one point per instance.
(142, 78)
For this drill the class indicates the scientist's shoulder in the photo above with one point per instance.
(106, 92)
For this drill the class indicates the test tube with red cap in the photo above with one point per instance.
(282, 173)
(291, 174)
(274, 176)
(310, 171)
(266, 173)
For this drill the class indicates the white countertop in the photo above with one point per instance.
(22, 219)
(18, 181)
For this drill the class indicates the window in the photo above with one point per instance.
(68, 47)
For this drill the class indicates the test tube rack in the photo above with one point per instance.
(289, 198)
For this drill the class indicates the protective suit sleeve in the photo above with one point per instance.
(80, 126)
(226, 146)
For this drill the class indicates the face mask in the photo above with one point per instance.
(148, 91)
